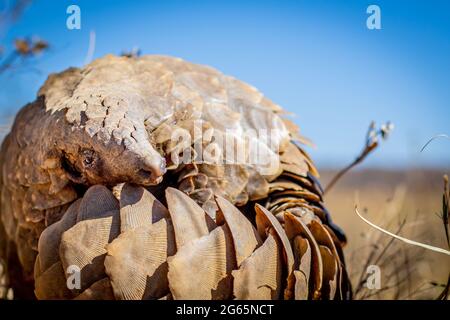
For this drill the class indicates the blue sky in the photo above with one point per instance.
(315, 58)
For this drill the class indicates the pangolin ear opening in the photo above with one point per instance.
(73, 174)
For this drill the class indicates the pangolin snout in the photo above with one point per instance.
(152, 173)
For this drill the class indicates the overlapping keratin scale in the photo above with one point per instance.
(145, 251)
(245, 237)
(302, 254)
(97, 202)
(259, 276)
(189, 220)
(265, 221)
(100, 290)
(329, 273)
(136, 261)
(50, 238)
(201, 269)
(295, 227)
(51, 284)
(77, 242)
(138, 207)
(330, 257)
(84, 246)
(316, 258)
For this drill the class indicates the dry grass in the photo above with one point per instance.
(405, 202)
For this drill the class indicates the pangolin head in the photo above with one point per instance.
(105, 123)
(94, 159)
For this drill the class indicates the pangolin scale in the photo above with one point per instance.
(140, 148)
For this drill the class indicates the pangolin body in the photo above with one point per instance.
(134, 120)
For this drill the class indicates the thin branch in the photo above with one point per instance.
(12, 14)
(370, 145)
(408, 241)
(8, 61)
(133, 53)
(446, 209)
(369, 261)
(24, 49)
(434, 138)
(445, 293)
(418, 290)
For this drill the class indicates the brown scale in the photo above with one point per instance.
(86, 200)
(299, 198)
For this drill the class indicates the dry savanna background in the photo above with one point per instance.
(405, 201)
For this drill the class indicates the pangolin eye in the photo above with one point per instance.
(89, 157)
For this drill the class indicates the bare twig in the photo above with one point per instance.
(12, 13)
(445, 293)
(8, 61)
(133, 53)
(408, 241)
(434, 138)
(446, 209)
(370, 145)
(371, 260)
(418, 290)
(445, 214)
(23, 48)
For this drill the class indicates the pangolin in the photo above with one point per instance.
(131, 154)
